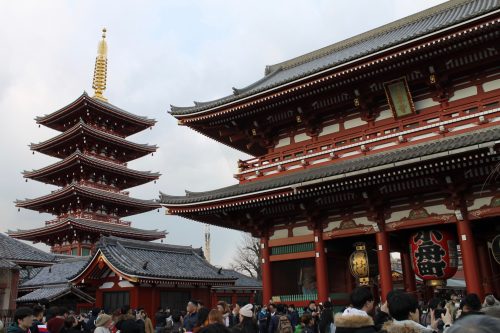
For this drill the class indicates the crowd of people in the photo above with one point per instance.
(401, 313)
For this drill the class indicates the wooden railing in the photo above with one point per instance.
(413, 128)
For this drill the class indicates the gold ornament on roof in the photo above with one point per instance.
(101, 68)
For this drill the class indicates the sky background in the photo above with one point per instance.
(159, 53)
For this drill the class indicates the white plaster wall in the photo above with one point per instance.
(384, 145)
(301, 137)
(302, 231)
(386, 114)
(354, 123)
(333, 128)
(278, 234)
(362, 220)
(398, 215)
(479, 202)
(491, 85)
(463, 93)
(331, 226)
(438, 209)
(283, 142)
(106, 285)
(125, 284)
(425, 103)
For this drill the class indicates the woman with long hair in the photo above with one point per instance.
(247, 323)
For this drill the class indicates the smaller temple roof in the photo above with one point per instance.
(59, 273)
(89, 226)
(6, 264)
(23, 254)
(339, 169)
(416, 26)
(82, 103)
(52, 293)
(147, 261)
(243, 281)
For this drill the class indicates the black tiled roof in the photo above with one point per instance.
(52, 293)
(19, 252)
(411, 27)
(107, 105)
(96, 226)
(243, 281)
(58, 273)
(7, 264)
(161, 261)
(339, 168)
(75, 188)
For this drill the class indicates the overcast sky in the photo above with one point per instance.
(160, 53)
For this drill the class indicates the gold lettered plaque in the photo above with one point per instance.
(399, 98)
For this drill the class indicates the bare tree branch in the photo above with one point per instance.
(247, 257)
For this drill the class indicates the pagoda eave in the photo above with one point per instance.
(77, 137)
(92, 228)
(80, 107)
(75, 193)
(58, 173)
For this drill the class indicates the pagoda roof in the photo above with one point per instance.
(23, 254)
(58, 273)
(83, 101)
(89, 226)
(339, 170)
(81, 128)
(146, 261)
(134, 205)
(78, 158)
(441, 18)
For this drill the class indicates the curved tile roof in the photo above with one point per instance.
(370, 161)
(17, 251)
(58, 273)
(403, 30)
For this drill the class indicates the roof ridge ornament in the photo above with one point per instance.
(101, 68)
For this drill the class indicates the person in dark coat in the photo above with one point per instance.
(275, 319)
(71, 325)
(90, 325)
(127, 323)
(23, 319)
(326, 318)
(37, 318)
(356, 318)
(294, 316)
(191, 318)
(246, 323)
(471, 305)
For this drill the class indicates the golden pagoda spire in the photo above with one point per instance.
(101, 68)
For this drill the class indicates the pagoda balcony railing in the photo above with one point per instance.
(104, 158)
(104, 187)
(408, 129)
(90, 216)
(104, 129)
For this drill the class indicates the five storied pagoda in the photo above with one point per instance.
(92, 174)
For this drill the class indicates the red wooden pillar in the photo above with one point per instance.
(384, 263)
(485, 268)
(408, 274)
(469, 256)
(321, 269)
(266, 270)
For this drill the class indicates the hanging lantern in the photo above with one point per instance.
(434, 256)
(361, 266)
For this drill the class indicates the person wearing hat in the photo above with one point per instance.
(247, 322)
(103, 323)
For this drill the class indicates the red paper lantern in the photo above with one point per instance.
(434, 256)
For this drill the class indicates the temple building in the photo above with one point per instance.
(92, 172)
(385, 142)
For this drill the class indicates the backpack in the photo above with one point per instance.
(284, 325)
